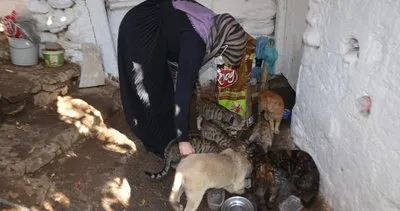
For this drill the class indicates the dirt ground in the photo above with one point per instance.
(90, 176)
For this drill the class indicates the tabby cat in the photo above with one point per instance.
(211, 130)
(263, 177)
(209, 110)
(172, 154)
(295, 167)
(262, 133)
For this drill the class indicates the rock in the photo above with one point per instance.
(58, 20)
(53, 46)
(41, 20)
(43, 98)
(4, 47)
(60, 4)
(67, 138)
(41, 157)
(37, 6)
(47, 37)
(52, 87)
(81, 30)
(292, 203)
(17, 169)
(57, 29)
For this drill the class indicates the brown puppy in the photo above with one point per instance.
(199, 172)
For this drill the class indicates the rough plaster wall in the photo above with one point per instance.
(357, 156)
(289, 38)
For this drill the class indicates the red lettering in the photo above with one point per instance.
(226, 77)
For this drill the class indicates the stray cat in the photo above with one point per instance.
(262, 133)
(209, 110)
(197, 173)
(172, 155)
(296, 167)
(273, 107)
(263, 177)
(211, 130)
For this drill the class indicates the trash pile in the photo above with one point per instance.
(24, 42)
(22, 38)
(20, 28)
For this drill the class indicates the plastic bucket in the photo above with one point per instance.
(23, 52)
(53, 58)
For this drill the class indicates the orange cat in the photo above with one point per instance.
(273, 107)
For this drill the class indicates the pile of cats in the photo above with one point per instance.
(224, 159)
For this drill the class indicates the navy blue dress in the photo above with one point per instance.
(151, 34)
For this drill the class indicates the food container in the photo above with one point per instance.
(54, 58)
(53, 55)
(237, 203)
(287, 114)
(215, 198)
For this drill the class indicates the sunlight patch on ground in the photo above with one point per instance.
(116, 191)
(61, 199)
(89, 122)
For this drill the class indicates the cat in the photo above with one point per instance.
(197, 173)
(302, 171)
(273, 107)
(263, 177)
(211, 130)
(210, 110)
(172, 154)
(295, 167)
(262, 133)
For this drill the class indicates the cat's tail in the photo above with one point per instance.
(176, 192)
(159, 175)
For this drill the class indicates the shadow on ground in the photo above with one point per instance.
(90, 176)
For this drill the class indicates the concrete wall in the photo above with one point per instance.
(291, 23)
(352, 51)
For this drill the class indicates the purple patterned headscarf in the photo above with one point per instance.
(201, 17)
(219, 32)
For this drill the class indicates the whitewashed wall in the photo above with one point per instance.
(358, 156)
(254, 15)
(291, 23)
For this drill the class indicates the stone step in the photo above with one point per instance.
(34, 137)
(37, 85)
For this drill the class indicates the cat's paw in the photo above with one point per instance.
(180, 207)
(198, 121)
(276, 131)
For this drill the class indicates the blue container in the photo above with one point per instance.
(287, 114)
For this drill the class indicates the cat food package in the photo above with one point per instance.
(234, 90)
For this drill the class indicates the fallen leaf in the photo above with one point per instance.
(142, 202)
(33, 149)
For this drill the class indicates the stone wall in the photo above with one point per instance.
(352, 50)
(64, 21)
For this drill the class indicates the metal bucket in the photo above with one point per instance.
(237, 203)
(23, 52)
